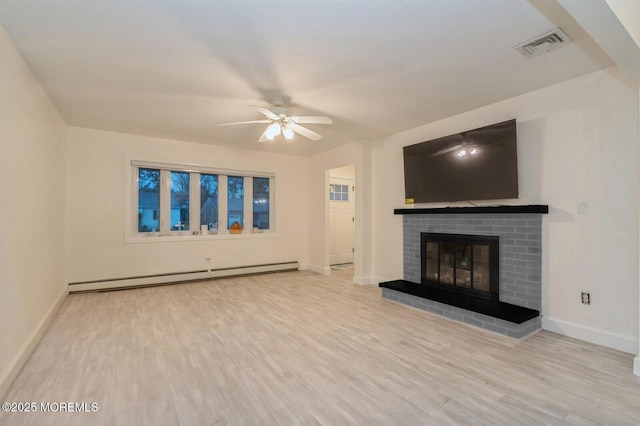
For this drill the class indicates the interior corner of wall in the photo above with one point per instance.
(20, 359)
(319, 269)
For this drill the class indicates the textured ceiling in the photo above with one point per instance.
(178, 68)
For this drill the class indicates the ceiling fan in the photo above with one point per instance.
(280, 120)
(471, 143)
(462, 150)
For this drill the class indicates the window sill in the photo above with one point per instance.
(150, 239)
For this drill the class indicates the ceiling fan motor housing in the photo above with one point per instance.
(279, 111)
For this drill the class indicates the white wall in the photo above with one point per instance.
(577, 141)
(32, 211)
(95, 220)
(357, 154)
(345, 172)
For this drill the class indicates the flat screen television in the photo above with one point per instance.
(478, 164)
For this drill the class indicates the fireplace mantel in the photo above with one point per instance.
(529, 208)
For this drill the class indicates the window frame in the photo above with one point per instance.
(132, 235)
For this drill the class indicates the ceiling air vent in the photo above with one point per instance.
(543, 43)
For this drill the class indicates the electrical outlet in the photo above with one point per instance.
(583, 207)
(586, 298)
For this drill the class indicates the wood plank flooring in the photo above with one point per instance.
(299, 348)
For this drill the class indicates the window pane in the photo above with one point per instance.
(235, 202)
(209, 201)
(148, 200)
(261, 203)
(338, 192)
(179, 201)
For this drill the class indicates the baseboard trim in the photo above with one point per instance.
(23, 356)
(319, 269)
(591, 335)
(364, 280)
(120, 283)
(257, 269)
(176, 277)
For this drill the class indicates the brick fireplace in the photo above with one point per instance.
(514, 310)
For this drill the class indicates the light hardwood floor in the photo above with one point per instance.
(300, 348)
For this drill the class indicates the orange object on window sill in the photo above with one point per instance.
(235, 228)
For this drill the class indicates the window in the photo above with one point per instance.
(261, 203)
(209, 201)
(177, 200)
(180, 190)
(148, 200)
(338, 192)
(235, 200)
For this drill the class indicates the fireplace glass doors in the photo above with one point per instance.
(466, 263)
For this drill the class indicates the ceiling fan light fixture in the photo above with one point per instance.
(287, 133)
(272, 131)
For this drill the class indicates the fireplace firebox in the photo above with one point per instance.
(462, 263)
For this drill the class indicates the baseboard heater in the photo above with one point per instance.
(177, 277)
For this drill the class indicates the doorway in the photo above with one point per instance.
(341, 218)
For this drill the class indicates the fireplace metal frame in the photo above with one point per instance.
(494, 261)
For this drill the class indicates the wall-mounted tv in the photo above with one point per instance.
(479, 164)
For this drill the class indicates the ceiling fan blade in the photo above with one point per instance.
(266, 112)
(305, 132)
(444, 151)
(311, 119)
(245, 122)
(491, 146)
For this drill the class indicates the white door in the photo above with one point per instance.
(341, 220)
